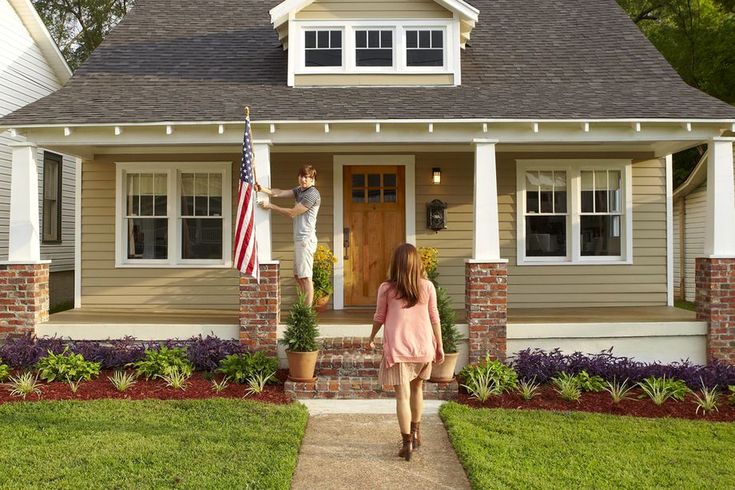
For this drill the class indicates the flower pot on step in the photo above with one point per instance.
(301, 366)
(321, 303)
(444, 372)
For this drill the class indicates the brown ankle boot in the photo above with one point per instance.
(416, 434)
(407, 447)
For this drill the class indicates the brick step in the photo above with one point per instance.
(364, 364)
(361, 387)
(353, 345)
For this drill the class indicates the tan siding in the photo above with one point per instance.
(694, 223)
(103, 285)
(677, 246)
(381, 9)
(362, 79)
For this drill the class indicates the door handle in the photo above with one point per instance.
(346, 243)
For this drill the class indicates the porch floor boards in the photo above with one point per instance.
(364, 316)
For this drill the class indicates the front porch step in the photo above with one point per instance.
(361, 387)
(351, 345)
(349, 364)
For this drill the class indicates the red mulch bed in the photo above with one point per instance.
(198, 388)
(548, 399)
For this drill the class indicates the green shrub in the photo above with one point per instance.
(450, 334)
(4, 371)
(528, 388)
(301, 330)
(731, 397)
(590, 383)
(500, 377)
(618, 391)
(661, 389)
(241, 367)
(567, 386)
(66, 367)
(160, 362)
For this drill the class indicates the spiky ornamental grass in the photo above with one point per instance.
(301, 327)
(618, 391)
(24, 384)
(122, 380)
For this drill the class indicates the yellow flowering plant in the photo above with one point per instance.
(430, 261)
(324, 261)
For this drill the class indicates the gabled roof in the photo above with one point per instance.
(40, 34)
(185, 61)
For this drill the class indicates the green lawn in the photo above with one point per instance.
(538, 449)
(217, 443)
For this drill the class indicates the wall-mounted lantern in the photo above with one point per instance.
(436, 215)
(436, 175)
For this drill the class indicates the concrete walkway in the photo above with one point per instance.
(358, 449)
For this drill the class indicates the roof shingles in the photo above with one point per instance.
(188, 60)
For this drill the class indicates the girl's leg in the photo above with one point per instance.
(403, 407)
(417, 410)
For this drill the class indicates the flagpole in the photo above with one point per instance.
(250, 131)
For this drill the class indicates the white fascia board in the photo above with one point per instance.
(698, 175)
(40, 34)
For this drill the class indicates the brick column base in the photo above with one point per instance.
(23, 298)
(715, 298)
(486, 303)
(260, 310)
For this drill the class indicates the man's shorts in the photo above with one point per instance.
(303, 264)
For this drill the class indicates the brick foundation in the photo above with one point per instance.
(23, 298)
(486, 303)
(260, 309)
(715, 298)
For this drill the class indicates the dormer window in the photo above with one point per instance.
(322, 47)
(424, 47)
(373, 47)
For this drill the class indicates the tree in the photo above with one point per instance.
(79, 26)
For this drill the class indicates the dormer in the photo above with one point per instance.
(378, 43)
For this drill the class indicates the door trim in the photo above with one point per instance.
(340, 161)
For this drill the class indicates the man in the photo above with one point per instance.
(303, 214)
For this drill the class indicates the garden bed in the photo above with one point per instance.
(198, 388)
(548, 399)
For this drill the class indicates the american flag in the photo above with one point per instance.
(246, 249)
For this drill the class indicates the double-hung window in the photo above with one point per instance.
(173, 214)
(574, 212)
(322, 47)
(373, 47)
(425, 47)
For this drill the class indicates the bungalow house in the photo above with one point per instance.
(32, 67)
(549, 126)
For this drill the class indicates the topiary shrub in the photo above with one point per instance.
(301, 327)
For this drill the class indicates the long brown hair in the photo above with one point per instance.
(405, 273)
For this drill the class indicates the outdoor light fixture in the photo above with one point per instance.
(436, 173)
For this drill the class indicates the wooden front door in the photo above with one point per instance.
(375, 223)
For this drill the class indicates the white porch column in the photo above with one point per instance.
(720, 231)
(486, 238)
(25, 233)
(262, 154)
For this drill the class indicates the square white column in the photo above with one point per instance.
(262, 154)
(719, 240)
(486, 237)
(24, 236)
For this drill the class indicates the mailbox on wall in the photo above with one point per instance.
(436, 215)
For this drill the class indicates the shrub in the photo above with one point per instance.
(590, 383)
(24, 385)
(501, 377)
(25, 351)
(67, 366)
(206, 353)
(324, 261)
(301, 327)
(4, 371)
(111, 354)
(122, 380)
(241, 367)
(450, 334)
(567, 386)
(161, 361)
(661, 389)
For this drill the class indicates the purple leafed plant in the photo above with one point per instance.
(544, 365)
(111, 354)
(205, 353)
(25, 351)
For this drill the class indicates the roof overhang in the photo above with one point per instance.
(467, 14)
(695, 179)
(40, 34)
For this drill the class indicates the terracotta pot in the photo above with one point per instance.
(444, 372)
(301, 365)
(320, 303)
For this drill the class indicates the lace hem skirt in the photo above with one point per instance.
(402, 373)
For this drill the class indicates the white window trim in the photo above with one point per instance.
(297, 34)
(173, 211)
(573, 169)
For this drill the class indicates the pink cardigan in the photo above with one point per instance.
(408, 336)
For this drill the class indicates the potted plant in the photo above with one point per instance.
(444, 372)
(324, 261)
(300, 340)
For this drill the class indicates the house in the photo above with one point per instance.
(550, 134)
(32, 67)
(690, 210)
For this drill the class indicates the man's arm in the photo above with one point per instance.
(274, 192)
(297, 210)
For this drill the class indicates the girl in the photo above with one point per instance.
(411, 341)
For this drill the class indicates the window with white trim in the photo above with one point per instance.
(425, 47)
(574, 212)
(373, 47)
(322, 47)
(173, 214)
(51, 210)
